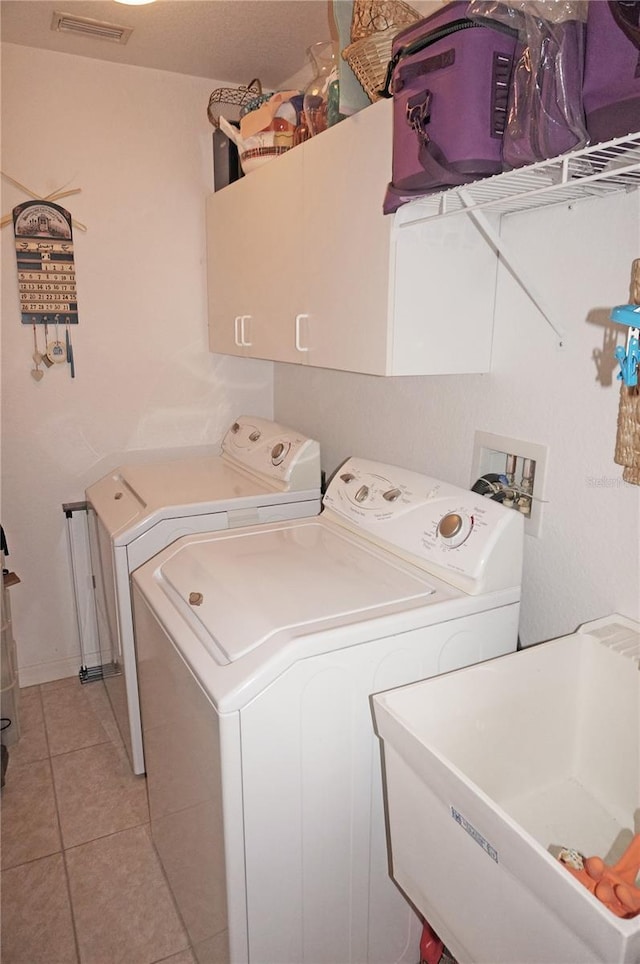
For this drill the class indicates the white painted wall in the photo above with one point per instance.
(586, 562)
(138, 144)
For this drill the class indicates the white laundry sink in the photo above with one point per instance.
(488, 767)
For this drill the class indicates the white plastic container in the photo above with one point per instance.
(488, 767)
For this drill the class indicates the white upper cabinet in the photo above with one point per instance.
(347, 243)
(304, 267)
(251, 250)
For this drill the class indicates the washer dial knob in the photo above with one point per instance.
(254, 436)
(391, 495)
(362, 494)
(450, 525)
(278, 452)
(455, 528)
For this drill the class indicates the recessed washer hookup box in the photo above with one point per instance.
(488, 767)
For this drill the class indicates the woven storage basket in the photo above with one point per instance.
(376, 16)
(368, 59)
(235, 101)
(374, 25)
(628, 438)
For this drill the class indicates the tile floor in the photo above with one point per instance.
(81, 882)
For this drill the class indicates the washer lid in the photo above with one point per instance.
(134, 497)
(241, 589)
(190, 481)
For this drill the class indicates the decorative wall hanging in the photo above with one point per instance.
(57, 269)
(46, 278)
(627, 451)
(53, 196)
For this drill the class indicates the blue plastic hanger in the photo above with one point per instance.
(629, 356)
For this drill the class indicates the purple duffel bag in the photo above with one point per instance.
(449, 77)
(611, 92)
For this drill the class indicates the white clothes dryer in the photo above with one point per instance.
(265, 472)
(258, 652)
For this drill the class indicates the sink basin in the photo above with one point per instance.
(489, 770)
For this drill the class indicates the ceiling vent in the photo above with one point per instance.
(85, 27)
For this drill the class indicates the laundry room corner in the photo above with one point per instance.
(144, 381)
(585, 561)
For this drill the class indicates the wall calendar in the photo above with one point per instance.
(46, 279)
(46, 270)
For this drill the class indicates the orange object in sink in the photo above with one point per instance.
(613, 885)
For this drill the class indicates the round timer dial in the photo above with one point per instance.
(455, 528)
(279, 452)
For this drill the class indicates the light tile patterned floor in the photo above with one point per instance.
(81, 882)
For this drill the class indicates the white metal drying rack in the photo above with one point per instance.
(595, 171)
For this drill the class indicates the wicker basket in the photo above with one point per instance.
(627, 451)
(235, 100)
(376, 16)
(375, 23)
(369, 58)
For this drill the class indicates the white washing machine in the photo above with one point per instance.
(265, 473)
(258, 650)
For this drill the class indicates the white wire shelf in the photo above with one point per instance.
(594, 171)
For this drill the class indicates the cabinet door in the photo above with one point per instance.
(226, 230)
(254, 261)
(346, 171)
(273, 196)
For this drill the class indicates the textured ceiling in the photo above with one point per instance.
(230, 40)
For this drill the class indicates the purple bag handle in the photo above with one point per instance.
(433, 161)
(410, 72)
(629, 28)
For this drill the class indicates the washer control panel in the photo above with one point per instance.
(457, 534)
(273, 451)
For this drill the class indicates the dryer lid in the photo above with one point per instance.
(244, 588)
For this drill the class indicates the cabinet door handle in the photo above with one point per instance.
(299, 345)
(238, 331)
(245, 344)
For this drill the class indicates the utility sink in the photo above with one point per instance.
(490, 770)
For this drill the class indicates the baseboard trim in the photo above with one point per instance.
(49, 672)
